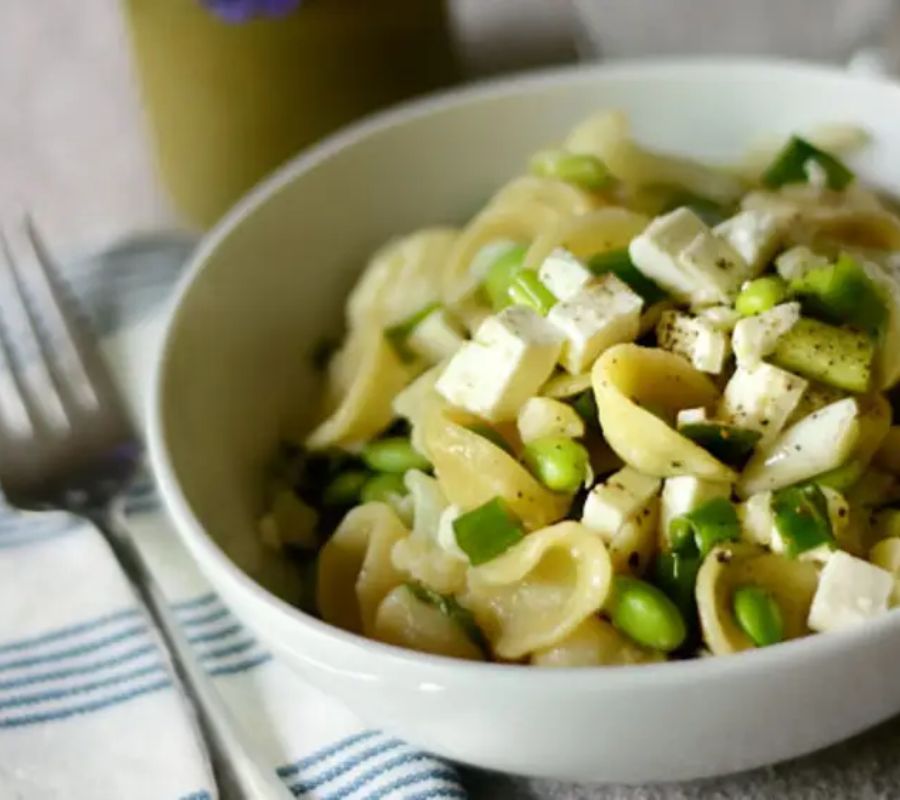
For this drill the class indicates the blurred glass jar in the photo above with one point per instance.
(227, 103)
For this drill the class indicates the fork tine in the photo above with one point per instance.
(37, 388)
(78, 363)
(16, 423)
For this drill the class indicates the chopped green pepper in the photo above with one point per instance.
(580, 169)
(619, 263)
(448, 605)
(801, 518)
(526, 289)
(790, 166)
(836, 356)
(700, 530)
(729, 444)
(585, 404)
(487, 531)
(500, 274)
(760, 295)
(842, 292)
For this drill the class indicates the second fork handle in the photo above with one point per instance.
(239, 770)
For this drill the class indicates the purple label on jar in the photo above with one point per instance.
(243, 10)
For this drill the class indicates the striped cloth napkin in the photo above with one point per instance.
(87, 706)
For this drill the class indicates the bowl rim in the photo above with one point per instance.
(203, 548)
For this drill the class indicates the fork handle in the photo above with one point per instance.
(232, 757)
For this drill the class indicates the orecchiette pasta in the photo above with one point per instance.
(404, 620)
(594, 643)
(540, 590)
(355, 570)
(726, 569)
(472, 470)
(628, 382)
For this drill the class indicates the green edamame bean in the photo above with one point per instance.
(379, 488)
(345, 488)
(758, 615)
(645, 614)
(760, 295)
(560, 463)
(394, 454)
(581, 169)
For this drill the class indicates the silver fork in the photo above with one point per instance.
(66, 443)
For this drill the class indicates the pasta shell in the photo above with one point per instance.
(628, 380)
(359, 400)
(355, 570)
(557, 195)
(791, 582)
(473, 470)
(594, 643)
(406, 621)
(540, 590)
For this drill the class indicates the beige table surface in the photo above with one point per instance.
(72, 150)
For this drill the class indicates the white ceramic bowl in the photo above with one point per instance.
(271, 279)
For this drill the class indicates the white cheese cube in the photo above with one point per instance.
(719, 268)
(850, 591)
(722, 317)
(544, 416)
(757, 520)
(695, 338)
(756, 337)
(684, 493)
(609, 505)
(755, 235)
(512, 355)
(761, 398)
(602, 314)
(435, 337)
(563, 274)
(690, 416)
(796, 262)
(656, 251)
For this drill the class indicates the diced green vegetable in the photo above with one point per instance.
(645, 614)
(676, 574)
(399, 333)
(491, 434)
(380, 488)
(729, 444)
(526, 289)
(620, 264)
(487, 531)
(345, 489)
(841, 478)
(801, 518)
(835, 356)
(700, 530)
(790, 166)
(450, 608)
(560, 463)
(580, 169)
(758, 615)
(500, 274)
(760, 295)
(586, 406)
(842, 292)
(393, 454)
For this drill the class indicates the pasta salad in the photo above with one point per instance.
(637, 408)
